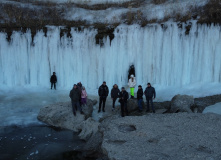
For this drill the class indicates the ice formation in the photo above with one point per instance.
(163, 55)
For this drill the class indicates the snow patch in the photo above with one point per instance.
(216, 108)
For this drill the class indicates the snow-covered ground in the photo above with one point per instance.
(20, 106)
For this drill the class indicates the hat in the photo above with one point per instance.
(104, 82)
(148, 83)
(132, 75)
(75, 85)
(140, 86)
(122, 88)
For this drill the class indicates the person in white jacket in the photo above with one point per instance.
(132, 84)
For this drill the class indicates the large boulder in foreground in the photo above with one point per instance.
(61, 115)
(182, 103)
(167, 136)
(87, 128)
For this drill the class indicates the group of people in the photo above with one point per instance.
(123, 96)
(78, 95)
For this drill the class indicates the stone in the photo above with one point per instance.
(61, 115)
(88, 109)
(182, 103)
(87, 128)
(162, 136)
(132, 105)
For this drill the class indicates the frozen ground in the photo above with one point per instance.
(20, 106)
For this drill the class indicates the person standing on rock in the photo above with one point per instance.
(114, 95)
(53, 80)
(79, 86)
(74, 95)
(123, 96)
(103, 92)
(150, 95)
(132, 84)
(83, 96)
(140, 98)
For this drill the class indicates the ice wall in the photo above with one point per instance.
(161, 55)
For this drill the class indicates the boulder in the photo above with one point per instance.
(182, 103)
(87, 128)
(162, 136)
(61, 115)
(88, 109)
(132, 105)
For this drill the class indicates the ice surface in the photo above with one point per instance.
(21, 108)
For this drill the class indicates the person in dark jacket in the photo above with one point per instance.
(123, 96)
(150, 95)
(79, 86)
(74, 95)
(53, 80)
(103, 92)
(114, 95)
(140, 98)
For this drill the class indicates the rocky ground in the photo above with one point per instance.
(179, 133)
(168, 136)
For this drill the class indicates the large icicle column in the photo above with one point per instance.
(161, 55)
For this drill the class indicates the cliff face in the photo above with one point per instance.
(37, 14)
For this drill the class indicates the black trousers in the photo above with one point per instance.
(53, 83)
(150, 101)
(102, 100)
(123, 109)
(114, 100)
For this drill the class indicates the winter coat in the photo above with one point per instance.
(53, 79)
(83, 94)
(123, 96)
(140, 93)
(150, 92)
(79, 85)
(115, 93)
(75, 94)
(132, 84)
(103, 91)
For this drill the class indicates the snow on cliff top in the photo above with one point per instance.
(147, 10)
(116, 11)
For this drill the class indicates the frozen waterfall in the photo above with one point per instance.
(161, 55)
